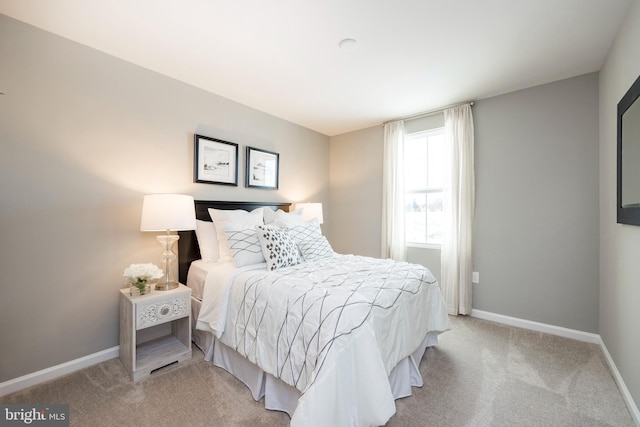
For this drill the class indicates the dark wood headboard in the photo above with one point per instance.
(188, 250)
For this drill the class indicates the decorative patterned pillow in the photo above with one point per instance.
(237, 217)
(244, 244)
(278, 247)
(305, 231)
(316, 248)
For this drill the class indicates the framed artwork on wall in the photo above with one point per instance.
(215, 162)
(262, 169)
(628, 190)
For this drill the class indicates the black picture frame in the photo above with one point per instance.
(262, 169)
(215, 161)
(628, 211)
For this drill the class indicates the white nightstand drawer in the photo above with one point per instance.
(160, 311)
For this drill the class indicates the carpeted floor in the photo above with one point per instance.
(480, 374)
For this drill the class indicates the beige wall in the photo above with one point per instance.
(356, 191)
(619, 244)
(83, 137)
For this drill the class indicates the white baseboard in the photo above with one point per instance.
(53, 372)
(626, 395)
(573, 334)
(538, 327)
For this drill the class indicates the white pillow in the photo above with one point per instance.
(287, 218)
(207, 241)
(316, 248)
(269, 215)
(243, 244)
(238, 217)
(278, 247)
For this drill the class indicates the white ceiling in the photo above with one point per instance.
(282, 56)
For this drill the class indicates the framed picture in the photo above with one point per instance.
(216, 161)
(262, 168)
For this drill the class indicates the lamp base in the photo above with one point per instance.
(164, 286)
(168, 281)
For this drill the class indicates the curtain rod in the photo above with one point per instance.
(428, 113)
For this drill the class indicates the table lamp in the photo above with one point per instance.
(310, 211)
(168, 212)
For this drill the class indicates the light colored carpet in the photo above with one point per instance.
(480, 374)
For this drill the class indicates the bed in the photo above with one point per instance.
(330, 339)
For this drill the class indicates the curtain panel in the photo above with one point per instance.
(459, 204)
(393, 234)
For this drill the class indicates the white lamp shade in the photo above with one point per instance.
(310, 211)
(161, 212)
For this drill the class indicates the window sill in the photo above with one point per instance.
(424, 245)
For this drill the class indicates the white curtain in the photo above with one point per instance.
(459, 202)
(393, 244)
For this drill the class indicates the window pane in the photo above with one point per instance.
(436, 161)
(415, 172)
(415, 219)
(426, 157)
(435, 218)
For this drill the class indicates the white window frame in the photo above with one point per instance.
(427, 133)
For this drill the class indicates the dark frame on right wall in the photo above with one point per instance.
(628, 191)
(262, 169)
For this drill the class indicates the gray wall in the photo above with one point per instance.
(84, 136)
(536, 224)
(619, 244)
(536, 238)
(429, 257)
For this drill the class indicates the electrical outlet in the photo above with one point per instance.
(475, 277)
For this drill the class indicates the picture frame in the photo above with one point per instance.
(262, 169)
(215, 161)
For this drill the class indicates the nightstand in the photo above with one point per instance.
(155, 330)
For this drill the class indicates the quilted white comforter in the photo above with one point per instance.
(333, 328)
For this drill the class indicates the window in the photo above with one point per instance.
(424, 167)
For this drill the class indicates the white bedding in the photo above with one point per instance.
(362, 316)
(198, 276)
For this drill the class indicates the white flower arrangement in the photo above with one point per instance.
(140, 274)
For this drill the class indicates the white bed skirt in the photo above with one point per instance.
(280, 396)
